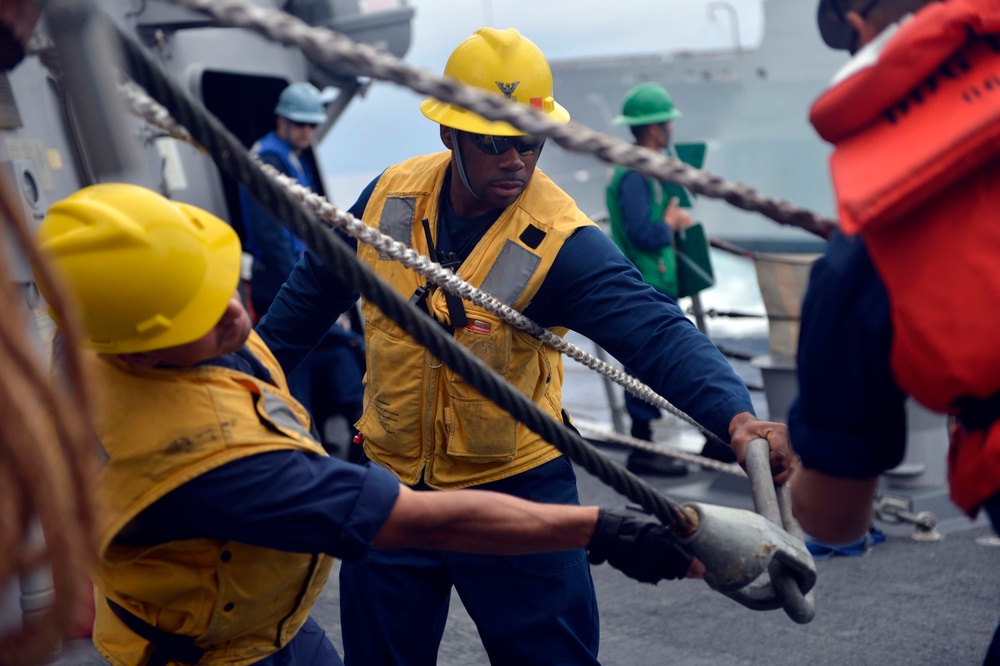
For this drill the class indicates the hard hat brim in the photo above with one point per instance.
(305, 117)
(648, 119)
(464, 120)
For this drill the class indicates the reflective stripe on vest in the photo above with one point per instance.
(422, 421)
(511, 273)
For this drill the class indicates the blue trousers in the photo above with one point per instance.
(529, 609)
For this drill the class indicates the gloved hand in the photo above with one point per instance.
(638, 545)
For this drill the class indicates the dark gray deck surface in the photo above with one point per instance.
(904, 602)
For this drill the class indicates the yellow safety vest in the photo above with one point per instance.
(160, 428)
(421, 420)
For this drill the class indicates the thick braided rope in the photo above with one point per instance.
(230, 156)
(336, 50)
(447, 280)
(147, 108)
(46, 456)
(644, 445)
(153, 113)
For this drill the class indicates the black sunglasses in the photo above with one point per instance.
(295, 123)
(498, 145)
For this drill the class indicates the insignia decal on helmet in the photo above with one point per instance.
(507, 88)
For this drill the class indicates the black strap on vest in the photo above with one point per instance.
(167, 647)
(977, 413)
(451, 261)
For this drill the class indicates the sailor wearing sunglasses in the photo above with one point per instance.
(483, 209)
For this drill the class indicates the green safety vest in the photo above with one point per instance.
(658, 267)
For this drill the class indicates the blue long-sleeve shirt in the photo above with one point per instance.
(591, 288)
(848, 420)
(284, 500)
(634, 200)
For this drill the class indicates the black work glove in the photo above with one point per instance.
(638, 545)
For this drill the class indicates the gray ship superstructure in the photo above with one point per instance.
(749, 106)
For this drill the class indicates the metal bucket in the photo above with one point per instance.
(782, 279)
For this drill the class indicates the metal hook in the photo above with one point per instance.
(761, 561)
(775, 504)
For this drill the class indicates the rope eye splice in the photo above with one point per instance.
(757, 559)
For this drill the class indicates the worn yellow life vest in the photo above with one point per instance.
(161, 428)
(421, 420)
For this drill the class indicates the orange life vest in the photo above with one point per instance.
(916, 172)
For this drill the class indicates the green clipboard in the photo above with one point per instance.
(692, 154)
(694, 264)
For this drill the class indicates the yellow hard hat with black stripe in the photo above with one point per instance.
(147, 272)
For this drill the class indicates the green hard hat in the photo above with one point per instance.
(646, 104)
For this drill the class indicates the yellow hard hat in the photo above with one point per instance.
(504, 63)
(148, 273)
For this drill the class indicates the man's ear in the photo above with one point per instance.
(867, 31)
(446, 137)
(141, 359)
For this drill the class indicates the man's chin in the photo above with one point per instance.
(235, 340)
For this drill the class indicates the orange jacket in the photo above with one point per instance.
(916, 172)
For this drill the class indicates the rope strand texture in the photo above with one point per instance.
(454, 284)
(46, 453)
(333, 49)
(230, 156)
(146, 107)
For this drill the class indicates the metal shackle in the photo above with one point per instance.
(758, 559)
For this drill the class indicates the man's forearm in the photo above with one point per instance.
(479, 521)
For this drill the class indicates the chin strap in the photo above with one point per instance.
(456, 152)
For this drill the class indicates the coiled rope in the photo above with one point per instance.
(230, 157)
(46, 457)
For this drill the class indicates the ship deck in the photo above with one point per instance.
(903, 602)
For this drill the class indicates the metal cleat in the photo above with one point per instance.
(761, 561)
(897, 510)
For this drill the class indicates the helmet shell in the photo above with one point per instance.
(647, 104)
(302, 103)
(148, 273)
(502, 62)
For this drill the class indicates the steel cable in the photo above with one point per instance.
(231, 158)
